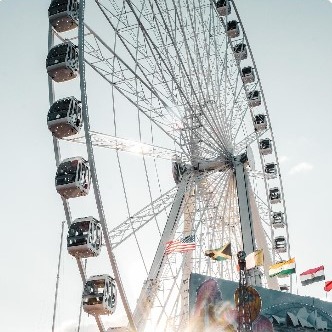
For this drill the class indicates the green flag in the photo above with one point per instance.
(220, 254)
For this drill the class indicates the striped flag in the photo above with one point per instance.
(184, 245)
(328, 286)
(313, 275)
(282, 269)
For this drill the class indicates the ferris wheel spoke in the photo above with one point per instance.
(209, 197)
(164, 117)
(180, 65)
(210, 121)
(200, 69)
(146, 51)
(209, 208)
(239, 100)
(198, 144)
(135, 52)
(183, 58)
(230, 73)
(210, 47)
(238, 108)
(248, 140)
(153, 112)
(220, 76)
(166, 41)
(125, 81)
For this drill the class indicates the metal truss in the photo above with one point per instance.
(126, 229)
(126, 145)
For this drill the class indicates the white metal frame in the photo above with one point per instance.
(201, 137)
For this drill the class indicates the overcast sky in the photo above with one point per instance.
(291, 42)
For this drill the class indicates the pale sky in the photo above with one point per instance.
(291, 42)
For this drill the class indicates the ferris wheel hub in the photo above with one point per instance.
(204, 165)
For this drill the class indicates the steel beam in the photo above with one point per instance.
(150, 288)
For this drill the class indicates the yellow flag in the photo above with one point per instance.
(254, 259)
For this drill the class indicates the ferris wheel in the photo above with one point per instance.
(177, 111)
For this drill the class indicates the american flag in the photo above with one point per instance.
(184, 245)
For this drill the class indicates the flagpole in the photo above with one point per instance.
(297, 285)
(57, 278)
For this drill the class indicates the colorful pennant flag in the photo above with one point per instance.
(312, 275)
(254, 259)
(328, 286)
(220, 254)
(282, 269)
(184, 245)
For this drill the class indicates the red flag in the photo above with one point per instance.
(328, 286)
(312, 275)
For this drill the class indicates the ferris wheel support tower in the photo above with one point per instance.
(248, 234)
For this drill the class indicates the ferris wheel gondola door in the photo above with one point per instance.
(64, 117)
(98, 237)
(95, 235)
(63, 14)
(75, 115)
(83, 176)
(62, 62)
(110, 295)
